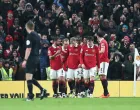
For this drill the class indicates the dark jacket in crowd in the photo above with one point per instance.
(115, 70)
(128, 70)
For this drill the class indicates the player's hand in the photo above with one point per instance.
(24, 64)
(79, 66)
(83, 66)
(58, 52)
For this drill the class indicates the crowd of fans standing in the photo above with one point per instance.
(119, 19)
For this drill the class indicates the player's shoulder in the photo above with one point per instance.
(103, 41)
(96, 46)
(50, 48)
(59, 47)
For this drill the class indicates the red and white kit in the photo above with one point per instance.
(90, 58)
(104, 61)
(55, 63)
(64, 56)
(73, 62)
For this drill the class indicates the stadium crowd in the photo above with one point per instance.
(119, 19)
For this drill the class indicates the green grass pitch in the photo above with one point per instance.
(72, 104)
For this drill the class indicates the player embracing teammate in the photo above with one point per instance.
(68, 61)
(56, 73)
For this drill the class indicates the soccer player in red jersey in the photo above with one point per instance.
(73, 62)
(64, 55)
(89, 59)
(56, 73)
(104, 62)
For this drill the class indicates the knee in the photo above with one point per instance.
(86, 81)
(102, 77)
(61, 78)
(92, 78)
(77, 80)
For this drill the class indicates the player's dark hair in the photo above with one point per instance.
(56, 38)
(30, 25)
(90, 38)
(100, 34)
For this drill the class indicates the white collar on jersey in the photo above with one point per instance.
(54, 46)
(89, 46)
(63, 49)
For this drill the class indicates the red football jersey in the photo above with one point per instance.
(104, 56)
(55, 63)
(73, 59)
(64, 55)
(89, 56)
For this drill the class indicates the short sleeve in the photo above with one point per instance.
(29, 42)
(49, 52)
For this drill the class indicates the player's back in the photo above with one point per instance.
(74, 57)
(104, 56)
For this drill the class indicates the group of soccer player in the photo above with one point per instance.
(77, 64)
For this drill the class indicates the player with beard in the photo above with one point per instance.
(56, 73)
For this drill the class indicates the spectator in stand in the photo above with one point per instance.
(119, 19)
(2, 34)
(7, 70)
(44, 58)
(28, 14)
(125, 46)
(132, 48)
(117, 43)
(115, 68)
(128, 68)
(5, 6)
(16, 59)
(1, 51)
(66, 29)
(9, 21)
(122, 31)
(8, 46)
